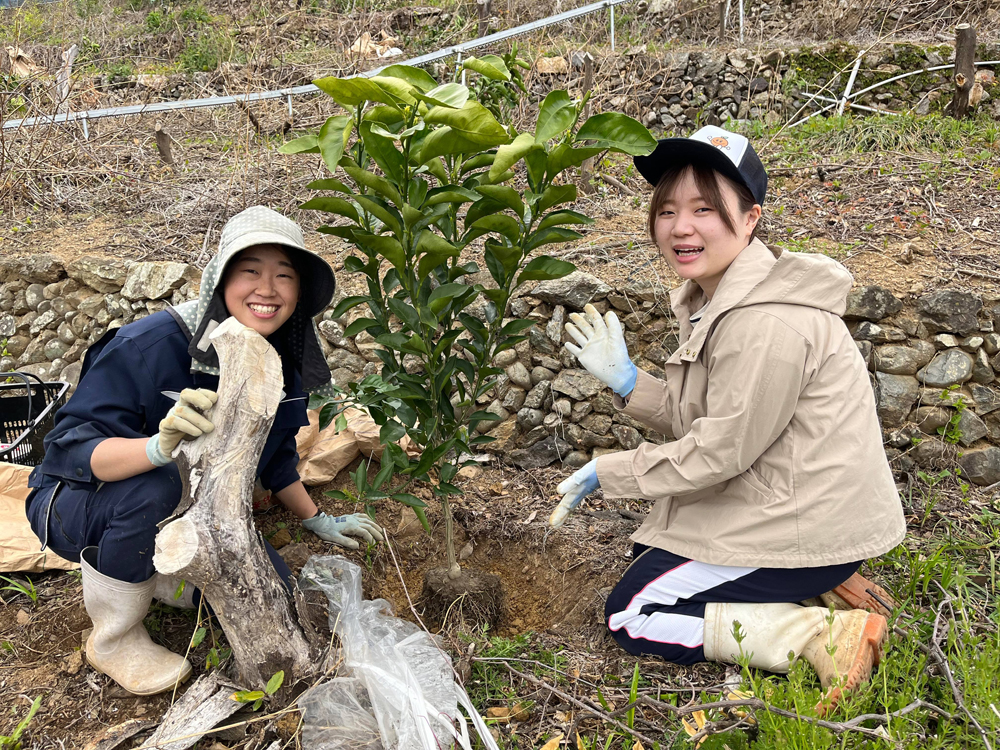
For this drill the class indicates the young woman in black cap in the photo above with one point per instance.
(775, 487)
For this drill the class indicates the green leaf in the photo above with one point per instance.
(508, 226)
(510, 154)
(394, 341)
(404, 312)
(542, 268)
(391, 432)
(557, 113)
(505, 195)
(350, 92)
(619, 133)
(333, 139)
(198, 637)
(341, 423)
(381, 211)
(307, 144)
(412, 500)
(374, 182)
(383, 150)
(247, 696)
(564, 156)
(535, 163)
(518, 325)
(421, 516)
(550, 235)
(398, 90)
(450, 194)
(419, 78)
(274, 684)
(453, 95)
(554, 195)
(359, 325)
(332, 205)
(337, 494)
(491, 66)
(477, 162)
(479, 209)
(384, 114)
(330, 183)
(473, 122)
(429, 242)
(344, 231)
(348, 303)
(445, 142)
(557, 218)
(383, 474)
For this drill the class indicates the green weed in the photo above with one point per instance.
(13, 740)
(26, 587)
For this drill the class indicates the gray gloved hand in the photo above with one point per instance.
(186, 420)
(333, 529)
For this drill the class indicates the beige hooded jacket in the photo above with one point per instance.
(778, 460)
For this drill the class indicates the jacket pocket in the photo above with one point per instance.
(753, 487)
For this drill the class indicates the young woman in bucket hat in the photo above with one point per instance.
(108, 477)
(775, 487)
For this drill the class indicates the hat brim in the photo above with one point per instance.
(671, 152)
(318, 283)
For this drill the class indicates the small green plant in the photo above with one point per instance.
(499, 86)
(155, 21)
(257, 696)
(216, 656)
(13, 741)
(417, 154)
(26, 587)
(952, 431)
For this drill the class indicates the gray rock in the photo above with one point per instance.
(34, 295)
(39, 369)
(45, 320)
(896, 395)
(903, 360)
(7, 363)
(950, 367)
(971, 343)
(929, 418)
(950, 311)
(493, 408)
(931, 451)
(871, 303)
(529, 418)
(981, 370)
(554, 328)
(59, 306)
(98, 273)
(629, 437)
(513, 400)
(866, 348)
(16, 345)
(576, 459)
(592, 440)
(44, 306)
(342, 376)
(505, 358)
(156, 280)
(78, 323)
(537, 395)
(552, 421)
(984, 398)
(945, 341)
(56, 366)
(75, 351)
(970, 428)
(8, 325)
(580, 410)
(533, 436)
(573, 291)
(599, 424)
(519, 375)
(341, 358)
(868, 331)
(65, 333)
(539, 374)
(71, 374)
(645, 290)
(981, 467)
(92, 304)
(991, 343)
(577, 384)
(540, 342)
(563, 407)
(37, 268)
(541, 454)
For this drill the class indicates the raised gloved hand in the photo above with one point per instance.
(185, 420)
(334, 528)
(574, 489)
(602, 349)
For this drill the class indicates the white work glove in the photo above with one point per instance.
(333, 529)
(582, 482)
(602, 349)
(186, 420)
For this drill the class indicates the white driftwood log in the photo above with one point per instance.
(214, 545)
(206, 703)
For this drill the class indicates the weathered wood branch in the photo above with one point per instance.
(214, 544)
(163, 145)
(206, 703)
(63, 79)
(965, 69)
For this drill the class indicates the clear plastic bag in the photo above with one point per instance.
(399, 669)
(339, 717)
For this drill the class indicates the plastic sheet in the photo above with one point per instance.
(399, 682)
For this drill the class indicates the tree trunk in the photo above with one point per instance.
(214, 544)
(965, 69)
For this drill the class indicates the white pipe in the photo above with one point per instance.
(612, 28)
(853, 106)
(741, 21)
(850, 85)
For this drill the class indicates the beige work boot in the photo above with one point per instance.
(777, 634)
(119, 645)
(166, 588)
(857, 592)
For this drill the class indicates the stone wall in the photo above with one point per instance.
(933, 359)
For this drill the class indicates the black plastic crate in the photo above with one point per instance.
(28, 409)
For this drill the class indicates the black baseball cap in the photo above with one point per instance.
(728, 153)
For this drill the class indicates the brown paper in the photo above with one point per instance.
(19, 547)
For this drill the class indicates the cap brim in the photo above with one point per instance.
(671, 152)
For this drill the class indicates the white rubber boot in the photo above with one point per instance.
(119, 645)
(166, 587)
(777, 634)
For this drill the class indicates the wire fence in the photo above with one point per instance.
(455, 50)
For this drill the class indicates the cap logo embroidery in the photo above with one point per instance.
(720, 142)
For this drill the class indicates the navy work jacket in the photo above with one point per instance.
(120, 396)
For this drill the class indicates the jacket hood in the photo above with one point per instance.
(298, 337)
(760, 275)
